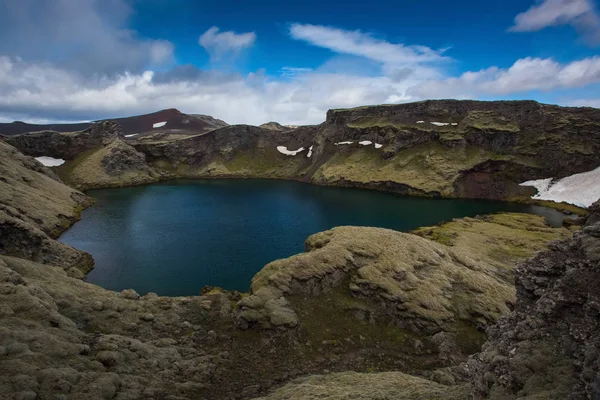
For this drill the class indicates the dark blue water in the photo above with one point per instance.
(174, 238)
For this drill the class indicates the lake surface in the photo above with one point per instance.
(174, 238)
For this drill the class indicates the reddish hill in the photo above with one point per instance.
(175, 122)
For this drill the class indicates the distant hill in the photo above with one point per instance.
(276, 126)
(170, 120)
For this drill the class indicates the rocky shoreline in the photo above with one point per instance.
(364, 311)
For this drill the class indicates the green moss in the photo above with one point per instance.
(502, 239)
(489, 121)
(428, 167)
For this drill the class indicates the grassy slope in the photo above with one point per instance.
(430, 167)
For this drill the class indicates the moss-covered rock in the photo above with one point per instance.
(380, 386)
(424, 286)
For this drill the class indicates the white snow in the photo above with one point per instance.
(50, 161)
(378, 146)
(132, 135)
(309, 152)
(338, 143)
(159, 124)
(420, 122)
(454, 123)
(284, 150)
(365, 143)
(441, 123)
(579, 189)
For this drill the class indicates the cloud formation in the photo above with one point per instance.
(524, 75)
(362, 44)
(87, 36)
(580, 14)
(43, 91)
(219, 44)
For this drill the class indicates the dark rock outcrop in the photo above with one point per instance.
(549, 346)
(66, 145)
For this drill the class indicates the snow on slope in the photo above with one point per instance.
(284, 150)
(159, 124)
(579, 189)
(50, 161)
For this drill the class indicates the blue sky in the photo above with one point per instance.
(255, 61)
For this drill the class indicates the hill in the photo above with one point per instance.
(171, 120)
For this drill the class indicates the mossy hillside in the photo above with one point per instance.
(500, 240)
(265, 162)
(349, 385)
(32, 193)
(488, 121)
(429, 167)
(423, 286)
(399, 124)
(89, 169)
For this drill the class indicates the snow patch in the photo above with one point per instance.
(420, 122)
(338, 143)
(50, 161)
(580, 189)
(441, 123)
(132, 135)
(284, 150)
(378, 146)
(309, 152)
(159, 124)
(454, 123)
(365, 143)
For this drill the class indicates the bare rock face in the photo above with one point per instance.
(549, 345)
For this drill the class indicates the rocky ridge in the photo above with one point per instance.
(176, 122)
(446, 148)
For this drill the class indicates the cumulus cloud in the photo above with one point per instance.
(524, 75)
(218, 44)
(87, 36)
(54, 93)
(362, 44)
(580, 14)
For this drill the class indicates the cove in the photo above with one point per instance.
(174, 238)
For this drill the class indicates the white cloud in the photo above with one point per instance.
(584, 102)
(43, 91)
(219, 44)
(362, 44)
(161, 52)
(579, 13)
(87, 36)
(524, 75)
(294, 71)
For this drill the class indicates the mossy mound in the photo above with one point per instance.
(380, 386)
(500, 240)
(423, 286)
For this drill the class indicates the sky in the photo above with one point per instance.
(288, 61)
